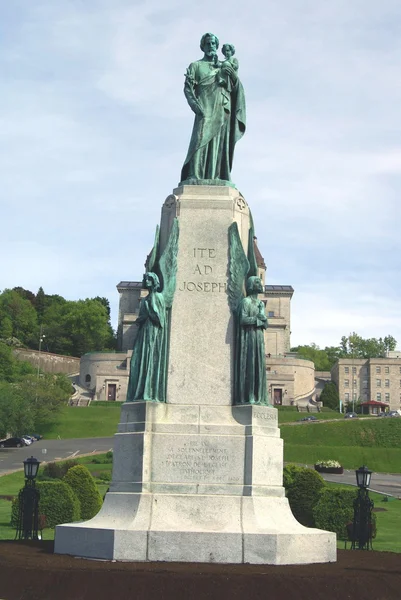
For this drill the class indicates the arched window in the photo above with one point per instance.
(87, 378)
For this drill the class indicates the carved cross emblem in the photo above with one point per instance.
(241, 203)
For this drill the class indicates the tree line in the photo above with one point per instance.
(69, 327)
(28, 399)
(351, 346)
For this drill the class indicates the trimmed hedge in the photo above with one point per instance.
(83, 484)
(335, 509)
(57, 503)
(57, 470)
(304, 493)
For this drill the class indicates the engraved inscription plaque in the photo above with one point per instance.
(198, 459)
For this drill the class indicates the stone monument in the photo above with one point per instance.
(198, 459)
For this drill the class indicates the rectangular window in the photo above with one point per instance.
(378, 382)
(387, 397)
(346, 397)
(346, 382)
(365, 383)
(387, 369)
(378, 396)
(379, 370)
(387, 383)
(270, 313)
(346, 370)
(354, 369)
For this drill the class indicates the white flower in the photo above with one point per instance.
(332, 464)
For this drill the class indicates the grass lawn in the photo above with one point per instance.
(376, 442)
(381, 460)
(84, 422)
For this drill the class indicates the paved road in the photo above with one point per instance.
(48, 450)
(380, 482)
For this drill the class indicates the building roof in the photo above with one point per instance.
(373, 403)
(260, 261)
(129, 284)
(278, 290)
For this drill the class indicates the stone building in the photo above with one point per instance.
(360, 379)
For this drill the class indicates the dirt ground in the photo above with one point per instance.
(30, 571)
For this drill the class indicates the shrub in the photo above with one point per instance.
(57, 470)
(83, 484)
(289, 473)
(335, 509)
(57, 504)
(304, 493)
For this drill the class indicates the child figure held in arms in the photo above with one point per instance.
(228, 51)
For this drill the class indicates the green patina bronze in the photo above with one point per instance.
(250, 322)
(216, 96)
(148, 369)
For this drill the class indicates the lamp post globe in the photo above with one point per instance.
(363, 476)
(31, 467)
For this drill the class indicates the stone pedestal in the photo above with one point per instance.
(197, 479)
(197, 484)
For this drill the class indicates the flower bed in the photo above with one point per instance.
(329, 466)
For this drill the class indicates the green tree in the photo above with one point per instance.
(357, 347)
(40, 304)
(25, 294)
(7, 363)
(16, 412)
(329, 396)
(6, 328)
(315, 354)
(22, 315)
(104, 301)
(77, 327)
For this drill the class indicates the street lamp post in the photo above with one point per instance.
(28, 498)
(363, 505)
(41, 338)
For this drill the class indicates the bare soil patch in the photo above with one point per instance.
(30, 571)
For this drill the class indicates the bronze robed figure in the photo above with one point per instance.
(216, 96)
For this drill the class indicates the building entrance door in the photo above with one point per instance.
(278, 396)
(111, 391)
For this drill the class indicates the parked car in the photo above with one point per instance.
(36, 436)
(28, 440)
(393, 413)
(308, 418)
(13, 442)
(351, 415)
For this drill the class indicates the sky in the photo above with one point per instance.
(94, 128)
